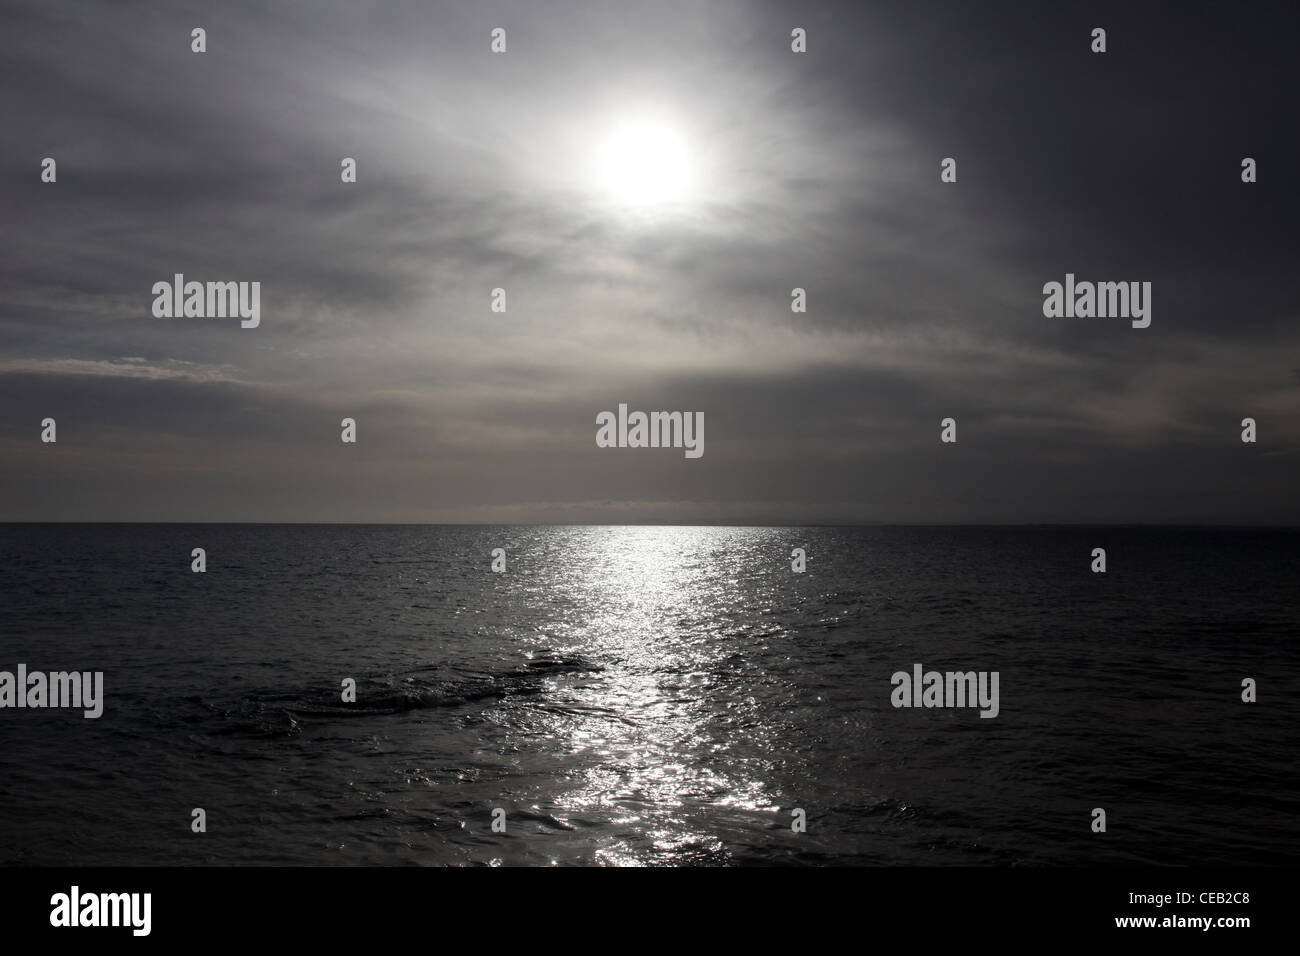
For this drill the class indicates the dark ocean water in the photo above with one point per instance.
(650, 695)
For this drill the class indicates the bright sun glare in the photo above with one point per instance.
(644, 163)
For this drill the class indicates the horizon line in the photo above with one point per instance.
(693, 524)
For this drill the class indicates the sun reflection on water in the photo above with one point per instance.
(667, 748)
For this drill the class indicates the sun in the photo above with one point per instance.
(644, 162)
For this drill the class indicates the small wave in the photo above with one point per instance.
(280, 714)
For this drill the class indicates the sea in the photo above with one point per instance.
(651, 695)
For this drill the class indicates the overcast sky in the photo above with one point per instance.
(817, 170)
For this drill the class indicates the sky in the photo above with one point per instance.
(817, 170)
